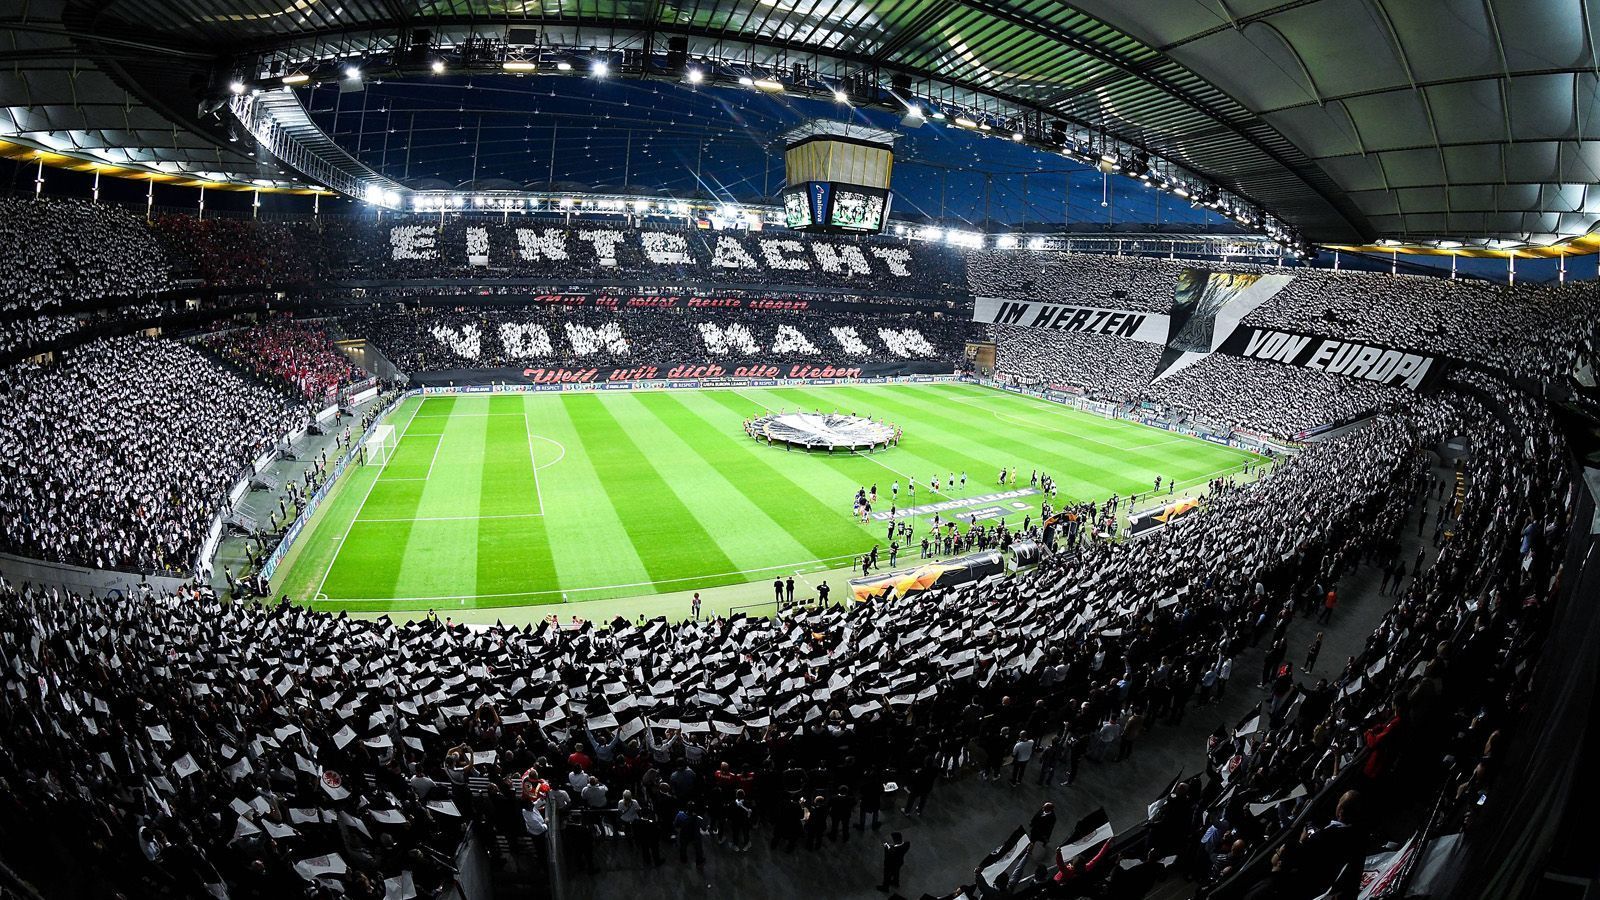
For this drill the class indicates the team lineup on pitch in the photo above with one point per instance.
(521, 499)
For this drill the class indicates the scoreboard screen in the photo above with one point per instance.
(796, 211)
(857, 210)
(831, 206)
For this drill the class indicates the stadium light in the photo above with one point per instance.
(1006, 241)
(599, 68)
(438, 67)
(695, 76)
(353, 73)
(840, 96)
(964, 122)
(1016, 136)
(296, 78)
(564, 66)
(237, 87)
(1036, 243)
(770, 85)
(518, 65)
(747, 81)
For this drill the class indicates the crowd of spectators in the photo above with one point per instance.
(1105, 368)
(1426, 708)
(1266, 397)
(119, 455)
(1138, 283)
(1219, 390)
(300, 356)
(1529, 330)
(224, 252)
(273, 747)
(426, 339)
(187, 747)
(61, 252)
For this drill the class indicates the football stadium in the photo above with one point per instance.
(947, 449)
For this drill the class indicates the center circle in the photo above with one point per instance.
(823, 431)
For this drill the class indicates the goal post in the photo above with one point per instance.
(381, 445)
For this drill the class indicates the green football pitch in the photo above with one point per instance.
(518, 499)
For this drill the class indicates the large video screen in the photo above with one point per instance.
(796, 209)
(856, 211)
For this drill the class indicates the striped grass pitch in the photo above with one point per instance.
(518, 499)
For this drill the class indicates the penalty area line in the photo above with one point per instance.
(533, 461)
(752, 399)
(339, 548)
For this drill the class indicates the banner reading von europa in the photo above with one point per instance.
(1349, 359)
(1136, 326)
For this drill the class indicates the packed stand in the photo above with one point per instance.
(1266, 397)
(1137, 283)
(1105, 368)
(62, 252)
(119, 455)
(297, 355)
(241, 252)
(304, 746)
(1530, 330)
(425, 339)
(1307, 783)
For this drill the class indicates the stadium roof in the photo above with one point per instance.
(1353, 120)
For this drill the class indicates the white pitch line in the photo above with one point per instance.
(339, 547)
(752, 399)
(533, 461)
(559, 457)
(466, 415)
(439, 442)
(455, 518)
(605, 587)
(880, 462)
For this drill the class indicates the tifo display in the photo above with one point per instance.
(822, 431)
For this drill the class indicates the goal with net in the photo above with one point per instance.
(380, 446)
